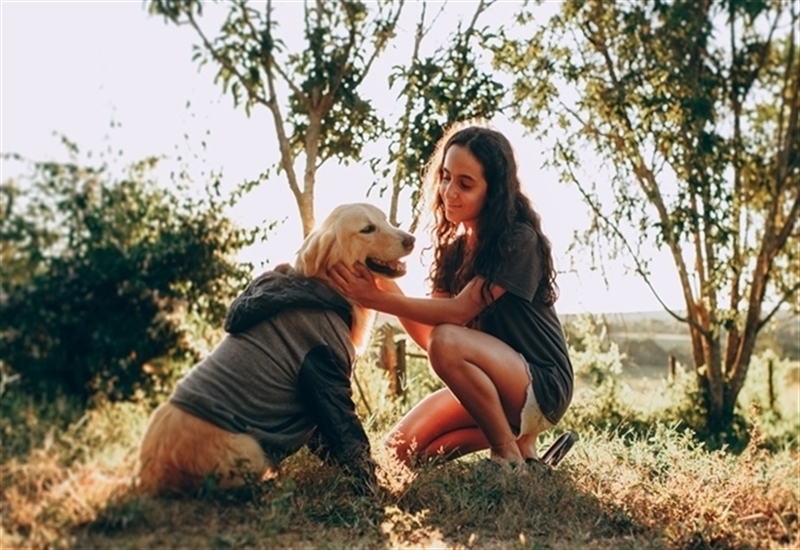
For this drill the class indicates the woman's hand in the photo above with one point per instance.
(357, 283)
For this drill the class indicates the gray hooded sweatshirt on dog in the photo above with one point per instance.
(282, 374)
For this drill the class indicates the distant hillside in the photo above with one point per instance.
(639, 321)
(651, 336)
(648, 338)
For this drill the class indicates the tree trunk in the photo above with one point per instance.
(720, 393)
(711, 383)
(305, 201)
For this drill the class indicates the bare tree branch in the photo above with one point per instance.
(786, 296)
(635, 257)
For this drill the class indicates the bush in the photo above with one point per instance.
(100, 273)
(598, 364)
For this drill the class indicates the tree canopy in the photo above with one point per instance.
(313, 90)
(691, 109)
(449, 85)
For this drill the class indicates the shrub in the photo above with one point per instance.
(100, 273)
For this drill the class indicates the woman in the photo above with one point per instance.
(490, 329)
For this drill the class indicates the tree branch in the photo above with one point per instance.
(379, 46)
(785, 139)
(786, 296)
(225, 62)
(643, 175)
(268, 60)
(283, 141)
(615, 229)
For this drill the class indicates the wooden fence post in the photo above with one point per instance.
(672, 368)
(771, 384)
(393, 360)
(400, 371)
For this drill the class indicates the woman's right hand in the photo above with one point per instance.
(357, 283)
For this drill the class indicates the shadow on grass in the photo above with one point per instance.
(313, 505)
(464, 503)
(476, 503)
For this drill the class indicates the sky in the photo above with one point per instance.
(112, 78)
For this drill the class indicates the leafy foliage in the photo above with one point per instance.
(450, 85)
(314, 86)
(312, 92)
(100, 274)
(692, 110)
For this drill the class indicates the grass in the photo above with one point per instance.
(66, 479)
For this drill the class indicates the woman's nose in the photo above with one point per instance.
(448, 189)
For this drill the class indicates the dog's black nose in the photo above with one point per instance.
(408, 242)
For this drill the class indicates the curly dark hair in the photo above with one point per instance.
(506, 204)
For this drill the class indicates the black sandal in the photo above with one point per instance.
(559, 448)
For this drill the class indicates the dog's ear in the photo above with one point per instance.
(315, 251)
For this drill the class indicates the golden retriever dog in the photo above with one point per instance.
(280, 378)
(356, 233)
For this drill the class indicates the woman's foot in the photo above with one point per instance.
(527, 445)
(507, 454)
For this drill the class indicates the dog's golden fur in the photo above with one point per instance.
(354, 233)
(180, 451)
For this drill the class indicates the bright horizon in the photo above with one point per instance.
(72, 68)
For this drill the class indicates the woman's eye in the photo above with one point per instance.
(369, 229)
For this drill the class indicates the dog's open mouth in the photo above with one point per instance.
(387, 269)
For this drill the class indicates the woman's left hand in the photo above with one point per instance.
(357, 283)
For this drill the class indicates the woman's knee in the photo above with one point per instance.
(443, 346)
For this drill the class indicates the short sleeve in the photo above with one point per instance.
(520, 271)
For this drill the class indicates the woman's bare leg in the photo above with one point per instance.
(492, 380)
(457, 443)
(437, 426)
(488, 379)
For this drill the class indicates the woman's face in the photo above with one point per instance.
(463, 187)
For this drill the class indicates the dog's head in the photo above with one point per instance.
(355, 233)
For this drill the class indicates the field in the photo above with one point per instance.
(66, 477)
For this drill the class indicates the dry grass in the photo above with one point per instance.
(70, 489)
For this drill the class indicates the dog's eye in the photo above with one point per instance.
(369, 229)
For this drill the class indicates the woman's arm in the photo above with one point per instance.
(418, 332)
(459, 310)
